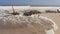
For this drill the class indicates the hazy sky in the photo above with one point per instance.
(29, 2)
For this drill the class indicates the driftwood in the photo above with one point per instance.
(32, 12)
(49, 11)
(58, 11)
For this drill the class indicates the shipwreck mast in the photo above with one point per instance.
(13, 9)
(14, 12)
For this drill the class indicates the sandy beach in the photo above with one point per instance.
(55, 17)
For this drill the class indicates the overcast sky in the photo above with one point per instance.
(29, 2)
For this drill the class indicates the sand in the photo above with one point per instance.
(25, 30)
(55, 17)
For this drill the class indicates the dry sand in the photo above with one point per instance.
(55, 17)
(25, 30)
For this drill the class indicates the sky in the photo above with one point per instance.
(29, 2)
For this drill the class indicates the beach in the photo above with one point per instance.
(54, 16)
